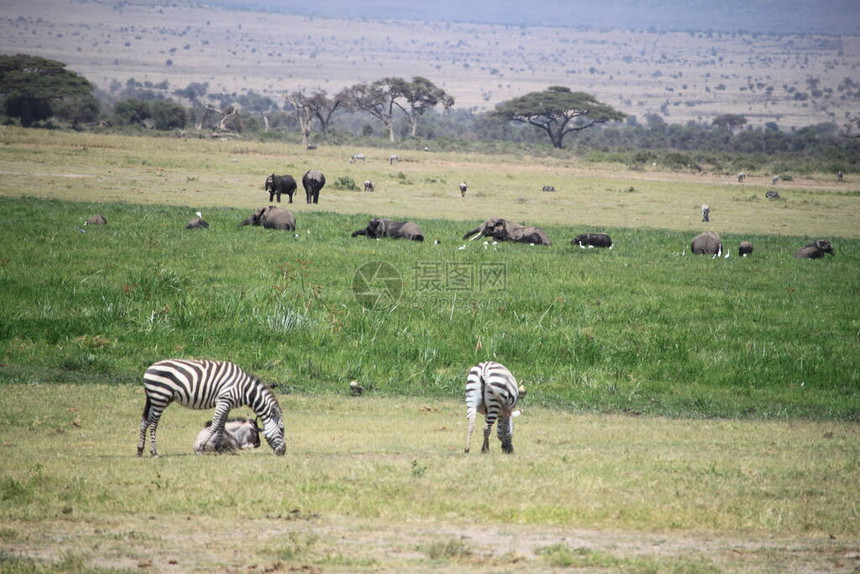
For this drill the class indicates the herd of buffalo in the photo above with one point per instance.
(500, 229)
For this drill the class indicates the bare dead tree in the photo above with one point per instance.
(229, 117)
(304, 113)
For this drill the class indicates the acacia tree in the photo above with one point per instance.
(378, 99)
(34, 88)
(421, 95)
(258, 104)
(557, 111)
(315, 105)
(384, 97)
(729, 122)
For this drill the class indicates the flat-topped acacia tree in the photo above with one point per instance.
(558, 111)
(34, 89)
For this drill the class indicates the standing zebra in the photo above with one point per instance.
(492, 390)
(202, 384)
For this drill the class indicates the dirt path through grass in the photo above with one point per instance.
(296, 542)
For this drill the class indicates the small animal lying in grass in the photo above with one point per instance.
(239, 433)
(592, 240)
(815, 250)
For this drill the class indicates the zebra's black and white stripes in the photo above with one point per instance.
(202, 384)
(492, 390)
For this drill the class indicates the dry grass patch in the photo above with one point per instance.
(371, 482)
(203, 173)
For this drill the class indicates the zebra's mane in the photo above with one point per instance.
(267, 388)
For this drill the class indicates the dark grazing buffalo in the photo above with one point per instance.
(592, 240)
(278, 184)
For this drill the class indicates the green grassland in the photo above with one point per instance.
(639, 328)
(746, 367)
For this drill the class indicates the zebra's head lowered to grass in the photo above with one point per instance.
(273, 425)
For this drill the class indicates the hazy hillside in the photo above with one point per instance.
(793, 80)
(758, 16)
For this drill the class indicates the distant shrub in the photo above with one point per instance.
(345, 182)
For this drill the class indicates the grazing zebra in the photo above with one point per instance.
(202, 384)
(772, 195)
(742, 177)
(840, 175)
(774, 180)
(393, 158)
(706, 212)
(368, 185)
(492, 390)
(356, 157)
(463, 188)
(548, 188)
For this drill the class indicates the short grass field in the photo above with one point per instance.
(683, 413)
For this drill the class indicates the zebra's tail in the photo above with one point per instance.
(146, 409)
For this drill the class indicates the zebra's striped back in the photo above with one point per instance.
(491, 390)
(196, 384)
(204, 384)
